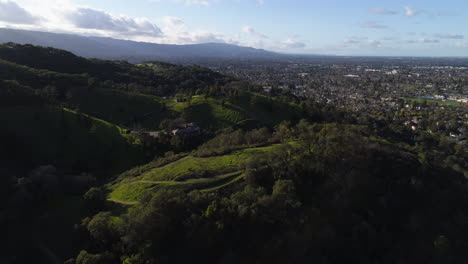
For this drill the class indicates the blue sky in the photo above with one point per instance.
(345, 27)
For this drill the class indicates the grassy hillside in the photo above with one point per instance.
(41, 135)
(120, 107)
(210, 113)
(123, 93)
(219, 113)
(266, 109)
(187, 173)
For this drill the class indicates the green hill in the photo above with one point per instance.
(52, 59)
(218, 113)
(124, 94)
(118, 107)
(153, 78)
(187, 173)
(38, 135)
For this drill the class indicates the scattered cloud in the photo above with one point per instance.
(461, 44)
(176, 31)
(64, 16)
(292, 44)
(449, 36)
(351, 41)
(251, 31)
(11, 12)
(88, 18)
(411, 11)
(373, 25)
(430, 41)
(374, 43)
(424, 41)
(383, 11)
(197, 2)
(187, 2)
(357, 42)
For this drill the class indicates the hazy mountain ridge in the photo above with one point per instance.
(109, 48)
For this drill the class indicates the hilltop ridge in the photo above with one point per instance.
(109, 48)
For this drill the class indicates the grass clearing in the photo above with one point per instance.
(134, 191)
(181, 174)
(187, 166)
(214, 114)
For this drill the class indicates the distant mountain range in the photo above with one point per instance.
(109, 48)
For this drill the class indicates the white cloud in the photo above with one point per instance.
(374, 43)
(176, 31)
(251, 31)
(292, 44)
(11, 12)
(89, 18)
(383, 11)
(351, 41)
(461, 44)
(188, 2)
(429, 41)
(411, 11)
(197, 2)
(424, 41)
(449, 36)
(357, 42)
(63, 16)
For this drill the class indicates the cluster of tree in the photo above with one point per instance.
(25, 193)
(38, 67)
(370, 191)
(431, 141)
(234, 139)
(348, 199)
(13, 94)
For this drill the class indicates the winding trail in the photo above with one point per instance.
(122, 202)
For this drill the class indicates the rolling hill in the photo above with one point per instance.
(61, 103)
(184, 174)
(40, 135)
(108, 48)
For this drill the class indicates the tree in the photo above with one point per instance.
(99, 228)
(94, 199)
(49, 92)
(87, 258)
